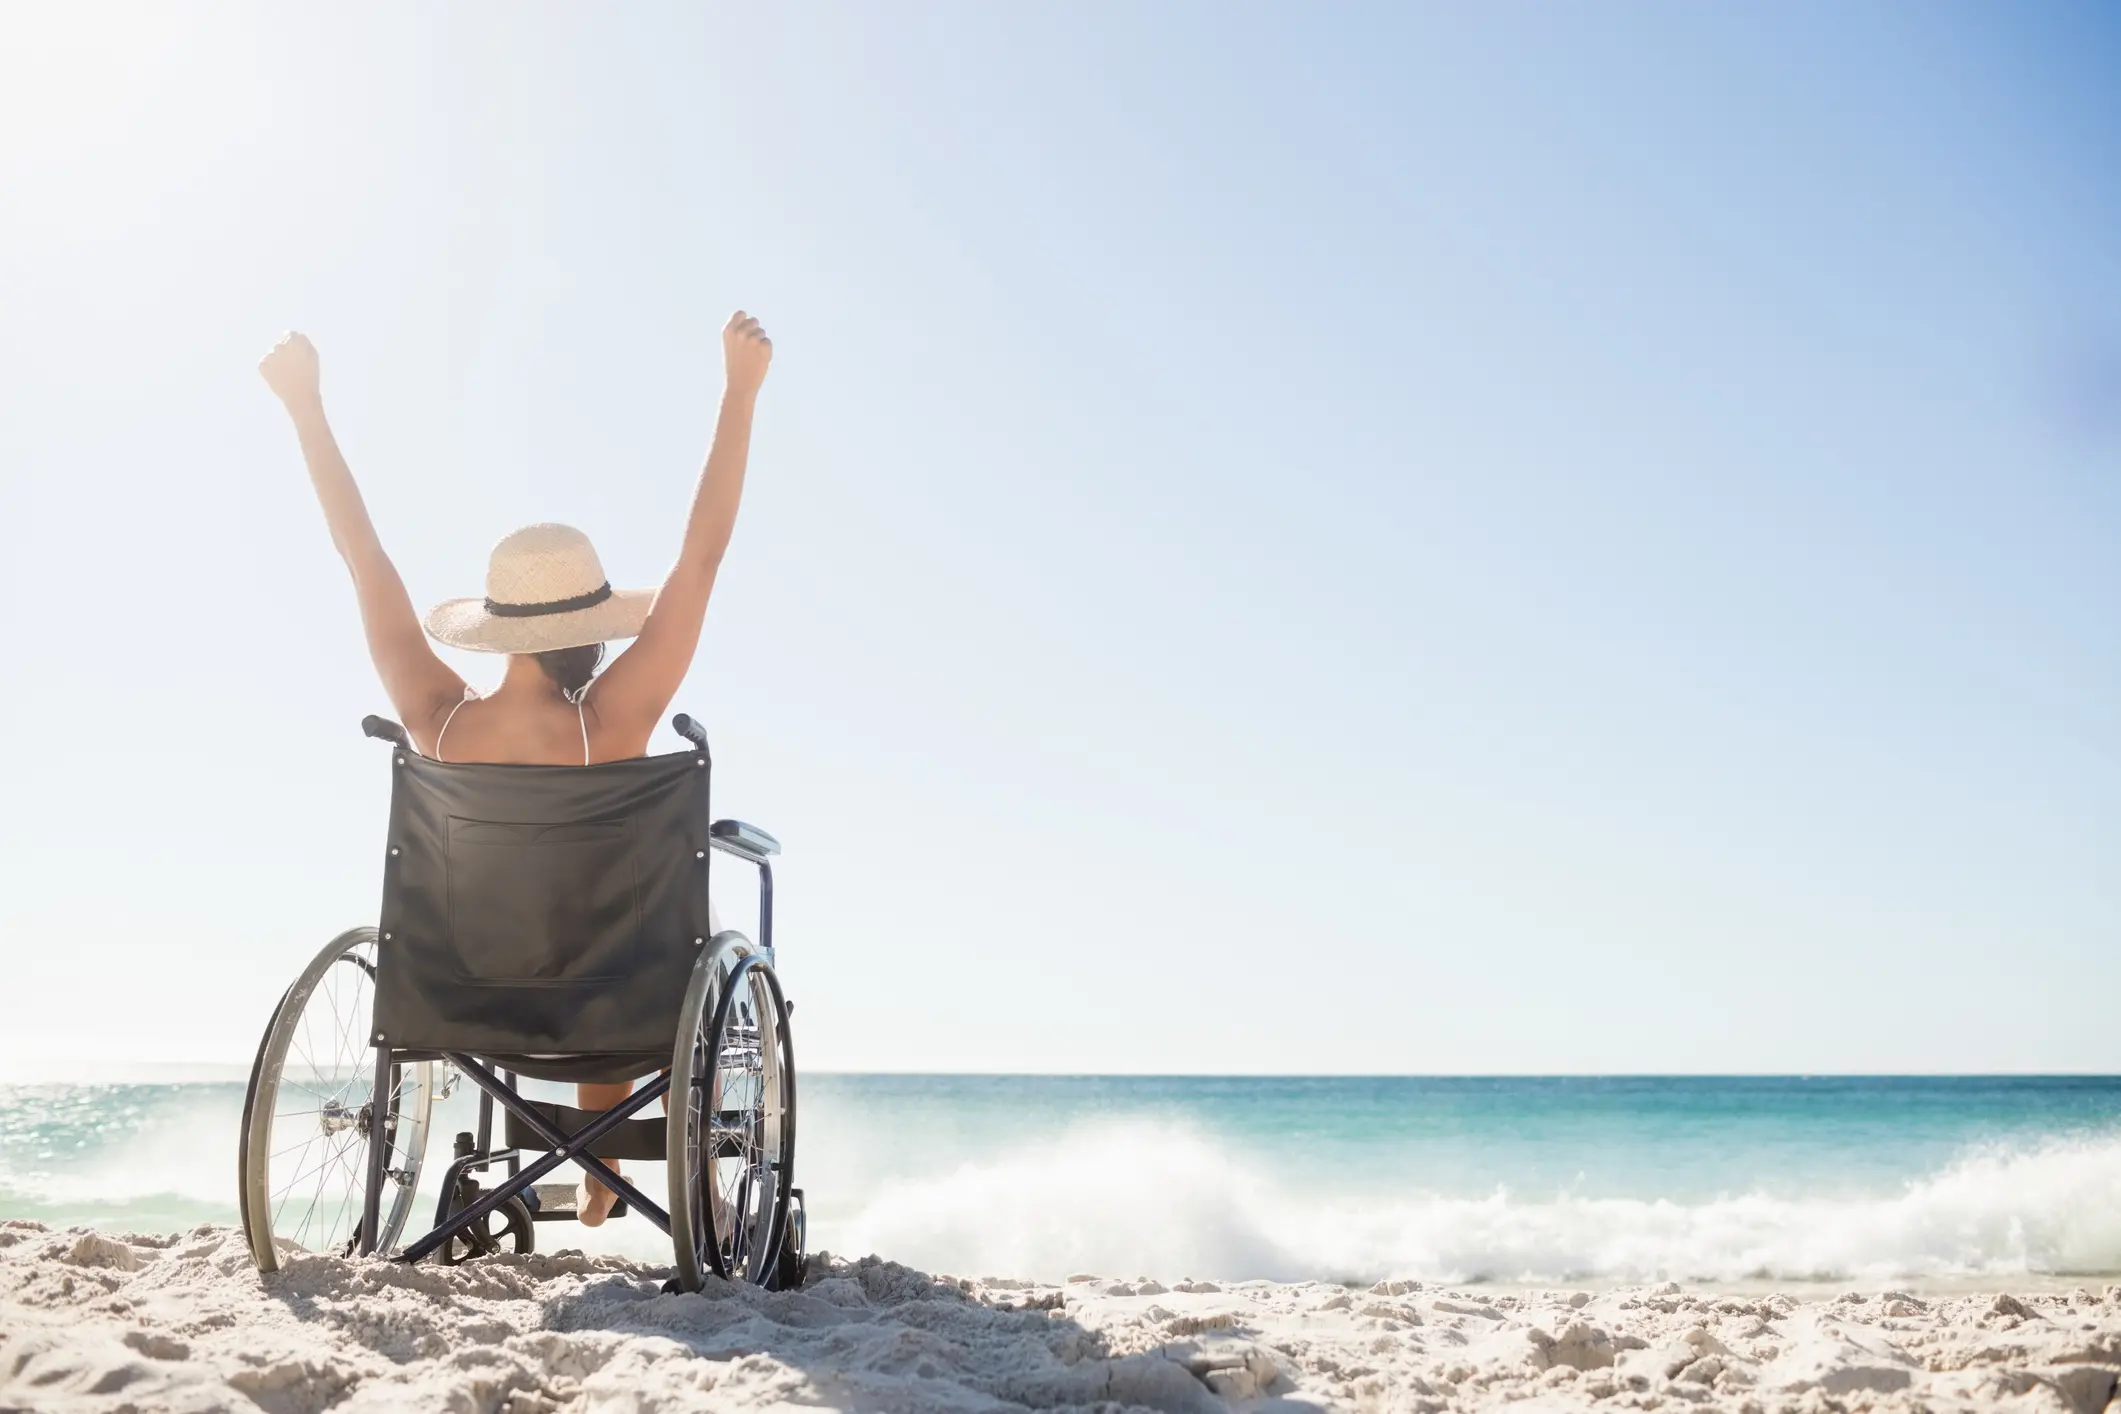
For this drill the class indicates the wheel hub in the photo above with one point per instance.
(335, 1118)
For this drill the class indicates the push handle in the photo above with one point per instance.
(692, 731)
(384, 729)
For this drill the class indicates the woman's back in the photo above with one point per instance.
(489, 731)
(527, 722)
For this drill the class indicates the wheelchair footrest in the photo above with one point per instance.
(633, 1139)
(556, 1204)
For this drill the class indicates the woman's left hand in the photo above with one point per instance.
(745, 352)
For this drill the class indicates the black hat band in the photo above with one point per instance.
(590, 600)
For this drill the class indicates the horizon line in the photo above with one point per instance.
(122, 1072)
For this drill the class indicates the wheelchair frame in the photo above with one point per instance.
(733, 1015)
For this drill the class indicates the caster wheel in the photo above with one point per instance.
(510, 1223)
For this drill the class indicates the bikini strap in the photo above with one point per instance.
(581, 715)
(468, 696)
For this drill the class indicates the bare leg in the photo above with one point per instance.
(592, 1199)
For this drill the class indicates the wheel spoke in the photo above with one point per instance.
(321, 1164)
(323, 1177)
(343, 1172)
(345, 1052)
(304, 1142)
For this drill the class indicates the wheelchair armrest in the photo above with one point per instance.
(738, 838)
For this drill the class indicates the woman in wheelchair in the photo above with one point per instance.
(547, 607)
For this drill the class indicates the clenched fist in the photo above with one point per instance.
(290, 369)
(745, 352)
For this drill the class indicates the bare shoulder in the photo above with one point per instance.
(620, 725)
(424, 717)
(425, 711)
(636, 689)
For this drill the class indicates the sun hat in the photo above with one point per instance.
(545, 589)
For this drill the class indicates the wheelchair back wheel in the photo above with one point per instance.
(732, 1120)
(310, 1114)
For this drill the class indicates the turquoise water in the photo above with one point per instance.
(1581, 1179)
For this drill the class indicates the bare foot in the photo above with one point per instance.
(593, 1201)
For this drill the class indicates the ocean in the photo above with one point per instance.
(1582, 1180)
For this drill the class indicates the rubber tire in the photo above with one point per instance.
(789, 1268)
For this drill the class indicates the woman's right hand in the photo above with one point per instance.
(290, 369)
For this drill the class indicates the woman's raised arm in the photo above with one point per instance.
(634, 691)
(421, 686)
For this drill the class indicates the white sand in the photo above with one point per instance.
(92, 1322)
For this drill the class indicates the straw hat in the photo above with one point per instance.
(545, 589)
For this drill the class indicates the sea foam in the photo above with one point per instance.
(1139, 1199)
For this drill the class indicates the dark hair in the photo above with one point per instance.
(571, 668)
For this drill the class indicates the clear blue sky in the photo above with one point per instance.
(1281, 538)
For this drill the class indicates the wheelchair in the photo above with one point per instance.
(549, 923)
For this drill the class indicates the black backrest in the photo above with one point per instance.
(534, 910)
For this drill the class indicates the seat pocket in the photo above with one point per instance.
(534, 904)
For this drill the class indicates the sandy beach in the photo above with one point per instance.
(95, 1322)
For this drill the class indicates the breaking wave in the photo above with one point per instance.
(1136, 1199)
